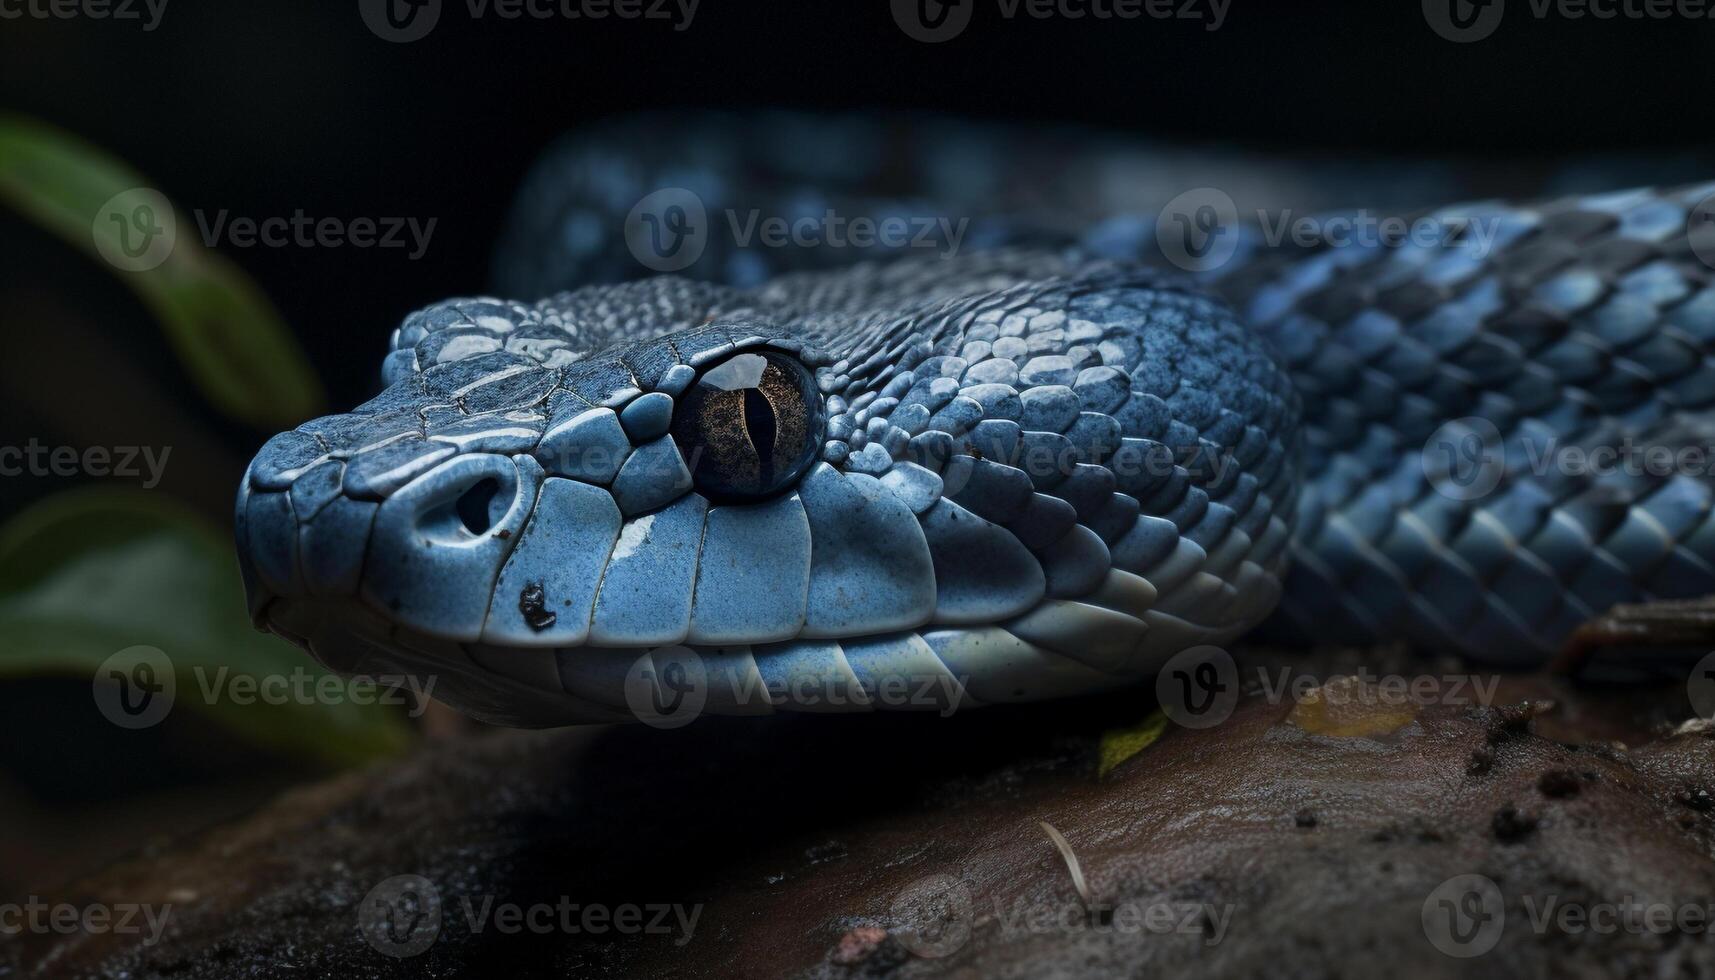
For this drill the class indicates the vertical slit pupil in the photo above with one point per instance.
(759, 422)
(473, 506)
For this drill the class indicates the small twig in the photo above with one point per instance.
(1075, 868)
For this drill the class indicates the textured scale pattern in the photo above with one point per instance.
(1589, 323)
(1046, 468)
(1014, 487)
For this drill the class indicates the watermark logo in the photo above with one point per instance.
(400, 21)
(668, 229)
(135, 687)
(667, 688)
(1464, 458)
(1464, 916)
(1464, 21)
(1199, 687)
(1198, 230)
(135, 230)
(401, 916)
(933, 916)
(932, 21)
(1701, 688)
(1700, 230)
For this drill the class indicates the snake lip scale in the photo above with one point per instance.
(1035, 468)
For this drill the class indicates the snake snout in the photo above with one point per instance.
(440, 541)
(425, 556)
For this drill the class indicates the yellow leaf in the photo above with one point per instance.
(1120, 744)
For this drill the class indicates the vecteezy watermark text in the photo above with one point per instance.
(1200, 687)
(303, 231)
(124, 462)
(402, 916)
(403, 21)
(934, 917)
(136, 230)
(834, 230)
(1129, 918)
(1466, 916)
(138, 686)
(573, 918)
(933, 21)
(672, 686)
(669, 229)
(305, 687)
(1200, 230)
(1366, 229)
(1464, 21)
(64, 919)
(146, 12)
(1467, 458)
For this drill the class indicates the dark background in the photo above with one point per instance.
(268, 106)
(265, 107)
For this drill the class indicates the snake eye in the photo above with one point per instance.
(749, 426)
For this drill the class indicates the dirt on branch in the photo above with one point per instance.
(1337, 833)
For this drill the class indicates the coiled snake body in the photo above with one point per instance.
(1036, 467)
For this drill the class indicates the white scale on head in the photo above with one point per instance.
(632, 537)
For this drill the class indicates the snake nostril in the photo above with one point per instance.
(474, 508)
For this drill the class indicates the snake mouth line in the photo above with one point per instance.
(928, 670)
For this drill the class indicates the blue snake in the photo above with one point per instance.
(1012, 454)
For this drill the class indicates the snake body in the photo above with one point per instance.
(1041, 466)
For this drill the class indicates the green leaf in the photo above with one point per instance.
(230, 338)
(1120, 744)
(88, 573)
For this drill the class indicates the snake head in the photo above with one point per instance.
(955, 484)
